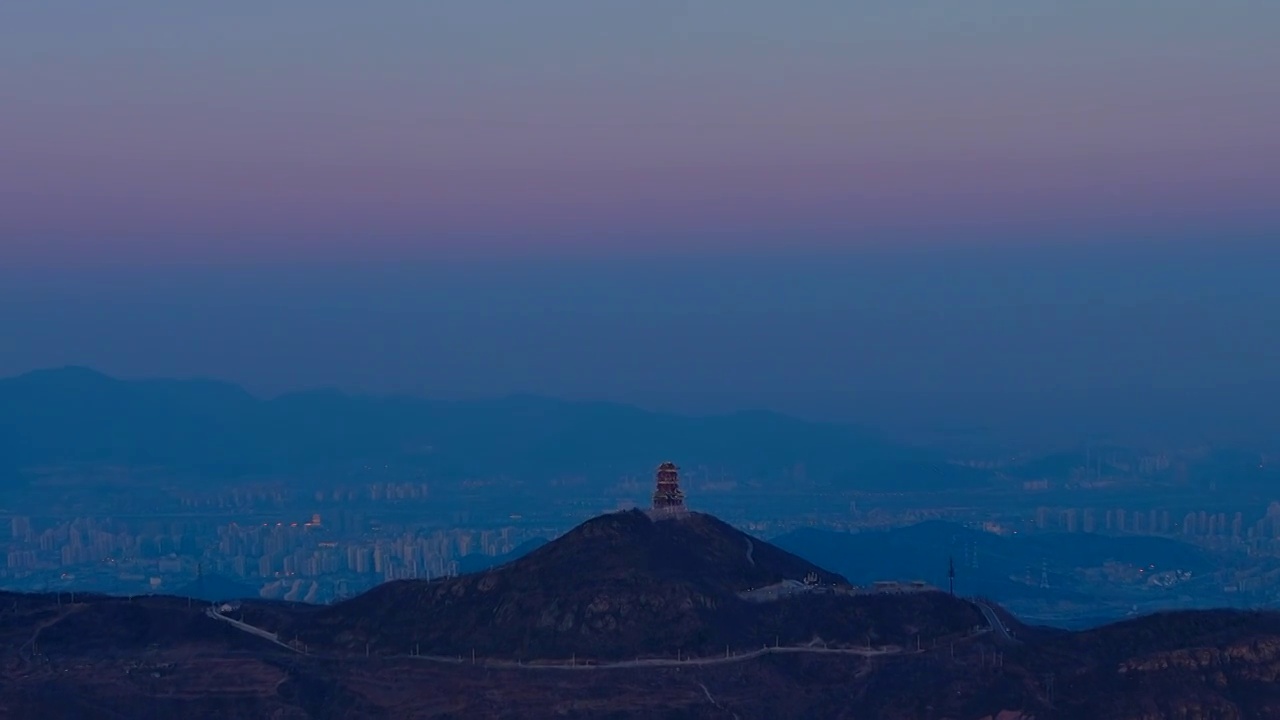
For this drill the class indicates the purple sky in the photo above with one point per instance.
(682, 204)
(235, 130)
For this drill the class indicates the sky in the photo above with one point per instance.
(791, 204)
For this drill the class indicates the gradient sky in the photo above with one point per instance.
(761, 202)
(215, 130)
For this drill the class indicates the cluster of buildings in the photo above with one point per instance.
(1214, 529)
(1151, 521)
(355, 542)
(271, 495)
(307, 559)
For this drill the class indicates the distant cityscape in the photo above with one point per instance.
(285, 541)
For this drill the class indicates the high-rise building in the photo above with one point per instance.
(21, 528)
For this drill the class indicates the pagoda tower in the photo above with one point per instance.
(668, 497)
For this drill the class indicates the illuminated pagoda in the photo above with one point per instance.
(668, 497)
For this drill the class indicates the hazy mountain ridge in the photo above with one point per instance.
(78, 416)
(928, 546)
(477, 562)
(1006, 568)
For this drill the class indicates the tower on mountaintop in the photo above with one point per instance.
(668, 497)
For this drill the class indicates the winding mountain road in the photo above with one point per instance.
(686, 662)
(892, 650)
(251, 629)
(993, 620)
(997, 625)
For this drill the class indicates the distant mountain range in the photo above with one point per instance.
(479, 562)
(1009, 569)
(82, 417)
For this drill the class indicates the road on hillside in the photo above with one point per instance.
(729, 657)
(252, 630)
(666, 662)
(997, 626)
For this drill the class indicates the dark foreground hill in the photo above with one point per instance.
(831, 654)
(621, 586)
(158, 657)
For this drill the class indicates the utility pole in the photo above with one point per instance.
(951, 575)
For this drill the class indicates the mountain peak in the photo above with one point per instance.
(66, 375)
(689, 547)
(621, 585)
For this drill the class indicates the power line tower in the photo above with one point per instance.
(951, 575)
